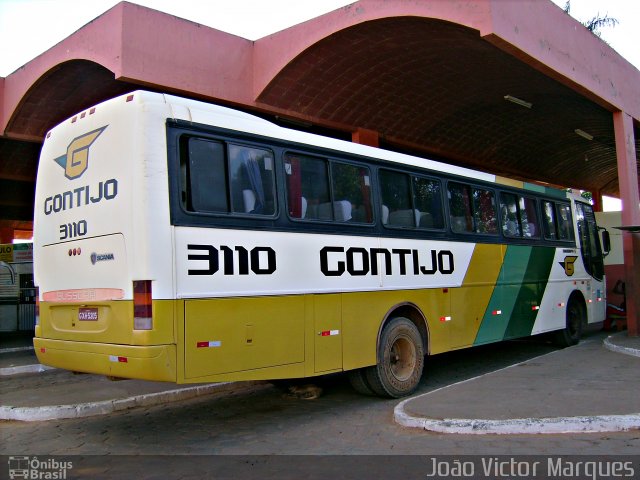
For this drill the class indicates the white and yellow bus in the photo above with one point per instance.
(186, 242)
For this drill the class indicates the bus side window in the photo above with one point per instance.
(591, 250)
(351, 193)
(472, 209)
(311, 195)
(307, 187)
(518, 216)
(206, 172)
(410, 201)
(427, 198)
(509, 215)
(460, 208)
(396, 197)
(549, 221)
(484, 209)
(565, 222)
(529, 218)
(252, 180)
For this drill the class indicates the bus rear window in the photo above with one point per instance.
(226, 178)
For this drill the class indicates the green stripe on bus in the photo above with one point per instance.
(521, 284)
(548, 191)
(533, 187)
(530, 293)
(499, 311)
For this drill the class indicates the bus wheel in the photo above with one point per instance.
(570, 335)
(400, 360)
(358, 380)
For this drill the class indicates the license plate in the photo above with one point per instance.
(88, 314)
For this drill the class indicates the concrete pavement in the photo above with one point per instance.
(32, 392)
(590, 387)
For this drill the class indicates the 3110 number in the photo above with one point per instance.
(72, 230)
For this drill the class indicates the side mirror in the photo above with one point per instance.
(606, 243)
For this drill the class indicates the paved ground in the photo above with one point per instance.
(586, 388)
(255, 419)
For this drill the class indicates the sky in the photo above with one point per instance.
(30, 27)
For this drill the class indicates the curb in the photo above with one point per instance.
(513, 426)
(35, 414)
(34, 368)
(15, 349)
(609, 345)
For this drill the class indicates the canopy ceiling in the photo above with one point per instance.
(427, 86)
(437, 88)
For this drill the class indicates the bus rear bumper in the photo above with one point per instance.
(149, 362)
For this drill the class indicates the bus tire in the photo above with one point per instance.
(575, 317)
(400, 360)
(358, 380)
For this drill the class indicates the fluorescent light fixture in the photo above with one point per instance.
(583, 134)
(518, 101)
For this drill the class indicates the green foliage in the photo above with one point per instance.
(596, 23)
(584, 194)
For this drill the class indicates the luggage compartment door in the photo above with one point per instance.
(237, 334)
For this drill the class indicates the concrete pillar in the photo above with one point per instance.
(6, 234)
(596, 196)
(628, 181)
(366, 137)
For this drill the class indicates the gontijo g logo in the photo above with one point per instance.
(76, 160)
(569, 265)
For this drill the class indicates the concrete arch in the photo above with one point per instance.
(555, 46)
(81, 45)
(435, 86)
(272, 53)
(66, 86)
(145, 48)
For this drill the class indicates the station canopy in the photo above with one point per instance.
(428, 86)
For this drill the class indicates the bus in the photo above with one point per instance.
(186, 242)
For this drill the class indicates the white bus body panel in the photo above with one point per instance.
(116, 209)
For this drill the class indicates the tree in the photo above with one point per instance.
(596, 23)
(583, 193)
(587, 195)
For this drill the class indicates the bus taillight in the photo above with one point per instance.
(142, 311)
(37, 307)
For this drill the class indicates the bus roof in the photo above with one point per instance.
(245, 122)
(215, 115)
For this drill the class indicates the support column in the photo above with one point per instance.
(366, 137)
(596, 196)
(628, 181)
(6, 234)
